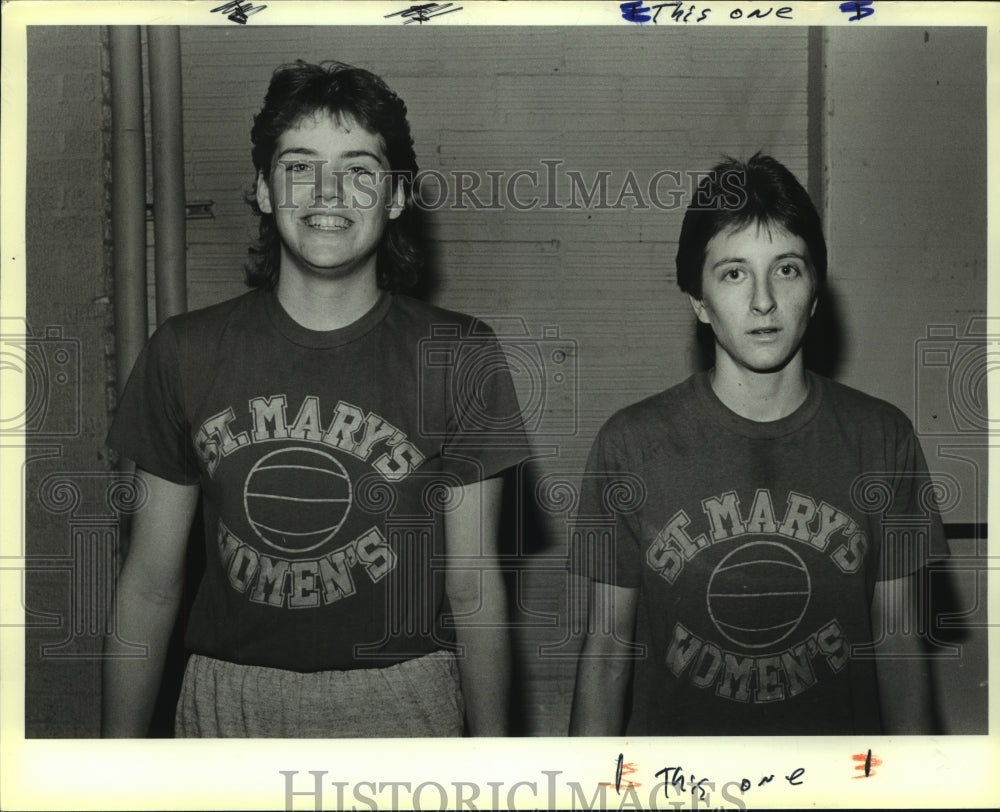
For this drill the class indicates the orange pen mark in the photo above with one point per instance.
(624, 768)
(867, 764)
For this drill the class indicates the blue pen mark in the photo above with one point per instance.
(861, 9)
(636, 12)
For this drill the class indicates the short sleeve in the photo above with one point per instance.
(912, 531)
(605, 543)
(149, 426)
(484, 430)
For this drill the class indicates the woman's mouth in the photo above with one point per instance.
(327, 222)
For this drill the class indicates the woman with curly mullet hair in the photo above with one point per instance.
(347, 442)
(300, 90)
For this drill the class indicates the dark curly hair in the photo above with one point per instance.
(736, 194)
(299, 90)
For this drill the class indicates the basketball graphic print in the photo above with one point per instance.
(296, 499)
(758, 594)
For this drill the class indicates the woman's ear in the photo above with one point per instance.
(263, 194)
(398, 201)
(698, 306)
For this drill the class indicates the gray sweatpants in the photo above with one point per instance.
(419, 698)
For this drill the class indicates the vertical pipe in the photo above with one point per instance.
(823, 344)
(816, 113)
(169, 226)
(128, 198)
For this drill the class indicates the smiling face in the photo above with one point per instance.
(758, 294)
(331, 196)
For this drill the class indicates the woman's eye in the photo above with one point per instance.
(789, 270)
(360, 170)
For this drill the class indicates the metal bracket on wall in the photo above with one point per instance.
(198, 210)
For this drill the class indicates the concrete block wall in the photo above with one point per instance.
(585, 100)
(69, 313)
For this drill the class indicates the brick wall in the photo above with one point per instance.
(68, 294)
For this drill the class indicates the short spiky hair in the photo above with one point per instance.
(299, 90)
(760, 191)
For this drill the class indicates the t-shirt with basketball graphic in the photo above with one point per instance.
(296, 499)
(755, 548)
(323, 459)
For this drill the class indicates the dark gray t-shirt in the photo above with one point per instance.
(755, 548)
(322, 458)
